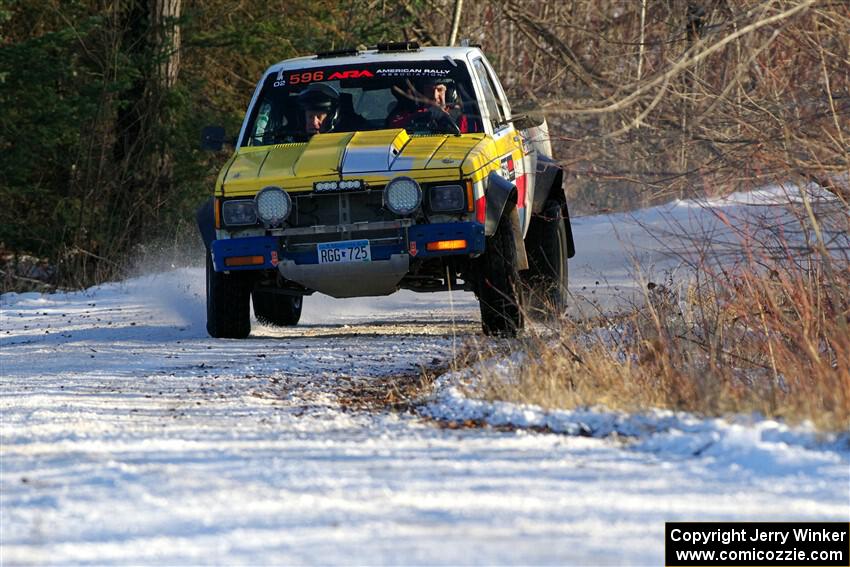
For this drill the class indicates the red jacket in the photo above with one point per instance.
(404, 118)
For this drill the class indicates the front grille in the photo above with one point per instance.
(309, 241)
(315, 209)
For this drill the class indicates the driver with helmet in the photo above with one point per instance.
(323, 109)
(441, 101)
(319, 105)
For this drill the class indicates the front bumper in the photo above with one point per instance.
(273, 252)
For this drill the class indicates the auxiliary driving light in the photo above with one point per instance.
(349, 185)
(402, 195)
(326, 186)
(273, 206)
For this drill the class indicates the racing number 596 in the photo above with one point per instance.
(306, 77)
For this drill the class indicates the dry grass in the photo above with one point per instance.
(769, 335)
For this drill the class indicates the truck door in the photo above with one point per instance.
(517, 165)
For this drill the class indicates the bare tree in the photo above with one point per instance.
(725, 93)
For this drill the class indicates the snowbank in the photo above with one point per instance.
(745, 441)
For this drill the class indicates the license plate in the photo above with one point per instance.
(344, 251)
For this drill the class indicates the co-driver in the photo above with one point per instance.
(440, 101)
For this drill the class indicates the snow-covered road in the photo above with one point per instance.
(129, 436)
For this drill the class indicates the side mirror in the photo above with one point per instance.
(212, 138)
(529, 116)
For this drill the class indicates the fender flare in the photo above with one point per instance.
(550, 185)
(498, 193)
(205, 217)
(501, 199)
(547, 182)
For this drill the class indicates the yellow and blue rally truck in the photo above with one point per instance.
(361, 172)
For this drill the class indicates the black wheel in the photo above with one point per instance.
(498, 293)
(276, 309)
(228, 308)
(546, 245)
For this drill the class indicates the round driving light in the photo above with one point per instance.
(402, 195)
(273, 205)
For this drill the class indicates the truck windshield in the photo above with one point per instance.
(423, 97)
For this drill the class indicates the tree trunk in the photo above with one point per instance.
(166, 37)
(166, 42)
(151, 35)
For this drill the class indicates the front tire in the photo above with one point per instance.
(228, 308)
(498, 286)
(277, 310)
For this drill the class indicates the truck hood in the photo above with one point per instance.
(375, 156)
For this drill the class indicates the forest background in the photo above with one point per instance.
(102, 103)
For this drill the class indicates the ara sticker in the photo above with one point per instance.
(412, 248)
(274, 259)
(352, 74)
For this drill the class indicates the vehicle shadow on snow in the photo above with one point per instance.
(388, 328)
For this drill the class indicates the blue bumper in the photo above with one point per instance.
(415, 243)
(419, 235)
(266, 246)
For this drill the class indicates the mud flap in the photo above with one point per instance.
(521, 254)
(571, 246)
(205, 217)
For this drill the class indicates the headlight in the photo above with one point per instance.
(238, 213)
(446, 199)
(402, 195)
(273, 205)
